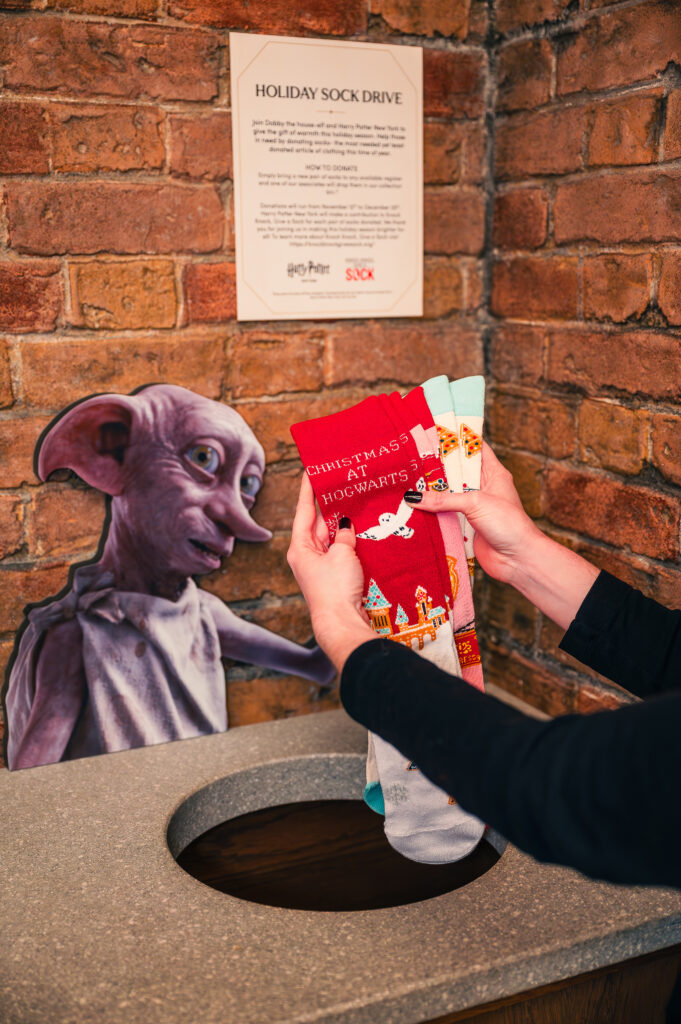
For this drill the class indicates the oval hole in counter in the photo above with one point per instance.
(324, 855)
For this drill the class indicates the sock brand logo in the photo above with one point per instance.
(359, 274)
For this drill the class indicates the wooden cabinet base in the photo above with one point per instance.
(634, 992)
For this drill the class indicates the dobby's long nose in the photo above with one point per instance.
(233, 517)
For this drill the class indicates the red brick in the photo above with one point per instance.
(454, 221)
(613, 437)
(475, 159)
(669, 292)
(31, 295)
(271, 421)
(520, 219)
(406, 353)
(639, 572)
(73, 57)
(510, 612)
(90, 138)
(6, 394)
(210, 292)
(442, 153)
(65, 520)
(453, 84)
(124, 8)
(634, 206)
(18, 439)
(24, 142)
(666, 455)
(473, 285)
(619, 47)
(20, 586)
(642, 519)
(478, 21)
(625, 131)
(542, 425)
(547, 142)
(672, 131)
(526, 471)
(550, 692)
(287, 616)
(201, 147)
(276, 503)
(268, 698)
(640, 362)
(438, 17)
(535, 287)
(270, 362)
(442, 286)
(524, 13)
(600, 698)
(524, 75)
(88, 217)
(517, 354)
(616, 286)
(58, 372)
(661, 582)
(11, 524)
(124, 295)
(253, 571)
(322, 17)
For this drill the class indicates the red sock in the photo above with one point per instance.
(360, 464)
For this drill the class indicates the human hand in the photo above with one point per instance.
(503, 530)
(331, 579)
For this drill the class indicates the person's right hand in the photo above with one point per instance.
(503, 530)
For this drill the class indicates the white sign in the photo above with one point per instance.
(328, 178)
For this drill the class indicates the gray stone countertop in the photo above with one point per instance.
(99, 924)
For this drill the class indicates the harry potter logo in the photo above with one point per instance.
(307, 269)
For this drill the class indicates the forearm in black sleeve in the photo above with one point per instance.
(596, 792)
(627, 637)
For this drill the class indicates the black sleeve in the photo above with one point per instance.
(596, 792)
(627, 637)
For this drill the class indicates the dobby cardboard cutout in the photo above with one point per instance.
(130, 653)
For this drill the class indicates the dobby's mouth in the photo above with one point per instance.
(205, 548)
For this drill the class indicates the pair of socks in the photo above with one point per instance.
(457, 409)
(360, 463)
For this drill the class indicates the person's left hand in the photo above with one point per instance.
(331, 579)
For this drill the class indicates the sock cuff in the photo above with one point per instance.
(468, 396)
(438, 395)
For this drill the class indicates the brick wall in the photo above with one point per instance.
(585, 303)
(117, 265)
(552, 221)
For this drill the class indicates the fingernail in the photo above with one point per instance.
(413, 497)
(344, 523)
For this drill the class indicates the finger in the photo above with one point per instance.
(306, 513)
(321, 532)
(442, 501)
(345, 534)
(490, 463)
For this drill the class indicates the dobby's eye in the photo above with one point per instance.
(205, 457)
(250, 485)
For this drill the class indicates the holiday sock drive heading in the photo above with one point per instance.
(417, 568)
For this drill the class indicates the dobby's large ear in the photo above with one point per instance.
(91, 439)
